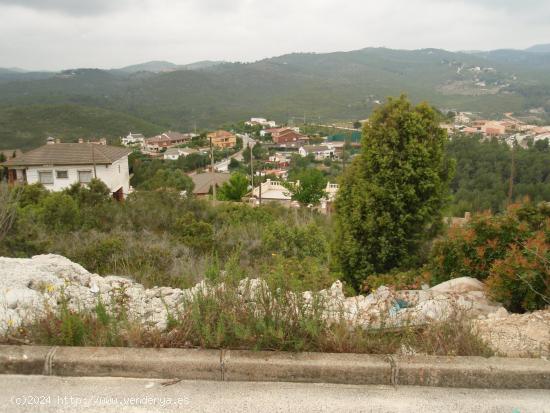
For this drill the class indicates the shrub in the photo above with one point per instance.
(59, 212)
(508, 250)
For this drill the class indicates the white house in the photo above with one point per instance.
(59, 165)
(174, 154)
(319, 151)
(133, 139)
(261, 121)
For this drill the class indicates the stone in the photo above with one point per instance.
(459, 285)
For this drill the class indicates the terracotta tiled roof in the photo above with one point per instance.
(70, 154)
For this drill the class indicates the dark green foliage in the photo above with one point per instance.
(311, 187)
(483, 173)
(390, 200)
(27, 127)
(235, 189)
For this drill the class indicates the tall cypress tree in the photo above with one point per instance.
(391, 197)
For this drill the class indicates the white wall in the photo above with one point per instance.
(115, 176)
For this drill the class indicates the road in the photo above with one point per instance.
(223, 166)
(87, 394)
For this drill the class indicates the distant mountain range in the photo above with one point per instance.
(322, 87)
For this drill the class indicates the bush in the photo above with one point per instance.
(509, 251)
(59, 212)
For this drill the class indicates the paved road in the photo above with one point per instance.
(223, 166)
(86, 394)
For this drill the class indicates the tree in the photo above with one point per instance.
(235, 189)
(310, 188)
(2, 157)
(391, 197)
(234, 164)
(169, 178)
(357, 124)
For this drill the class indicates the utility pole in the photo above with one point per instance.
(512, 173)
(260, 187)
(212, 170)
(251, 168)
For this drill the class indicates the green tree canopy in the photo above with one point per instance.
(311, 187)
(235, 189)
(169, 178)
(391, 197)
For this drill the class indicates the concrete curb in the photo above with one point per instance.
(232, 365)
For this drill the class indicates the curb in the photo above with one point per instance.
(237, 365)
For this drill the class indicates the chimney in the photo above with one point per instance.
(50, 141)
(58, 140)
(80, 140)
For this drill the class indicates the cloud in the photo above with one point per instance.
(56, 34)
(72, 7)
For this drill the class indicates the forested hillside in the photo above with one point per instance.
(26, 127)
(325, 87)
(483, 170)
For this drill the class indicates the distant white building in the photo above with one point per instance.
(174, 154)
(59, 165)
(132, 139)
(320, 152)
(262, 122)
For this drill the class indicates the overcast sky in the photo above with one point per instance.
(56, 34)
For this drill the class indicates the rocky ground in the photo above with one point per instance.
(28, 287)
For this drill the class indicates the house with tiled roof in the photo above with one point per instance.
(223, 139)
(59, 165)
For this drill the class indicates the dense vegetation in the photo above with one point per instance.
(26, 127)
(335, 86)
(484, 168)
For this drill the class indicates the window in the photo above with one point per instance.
(84, 177)
(45, 177)
(62, 174)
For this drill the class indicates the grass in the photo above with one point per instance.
(229, 316)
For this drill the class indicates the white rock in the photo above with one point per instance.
(459, 285)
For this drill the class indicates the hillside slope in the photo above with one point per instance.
(26, 127)
(326, 87)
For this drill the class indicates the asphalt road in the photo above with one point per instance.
(87, 394)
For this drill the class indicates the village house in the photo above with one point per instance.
(287, 136)
(261, 122)
(59, 165)
(222, 139)
(320, 152)
(133, 139)
(281, 159)
(205, 181)
(276, 192)
(167, 140)
(174, 154)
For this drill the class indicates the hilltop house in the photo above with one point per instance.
(223, 139)
(167, 140)
(320, 152)
(286, 136)
(262, 122)
(59, 165)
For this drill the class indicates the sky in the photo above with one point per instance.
(61, 34)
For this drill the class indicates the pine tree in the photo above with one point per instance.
(391, 197)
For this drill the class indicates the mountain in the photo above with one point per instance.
(203, 64)
(324, 87)
(153, 66)
(162, 66)
(539, 48)
(27, 127)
